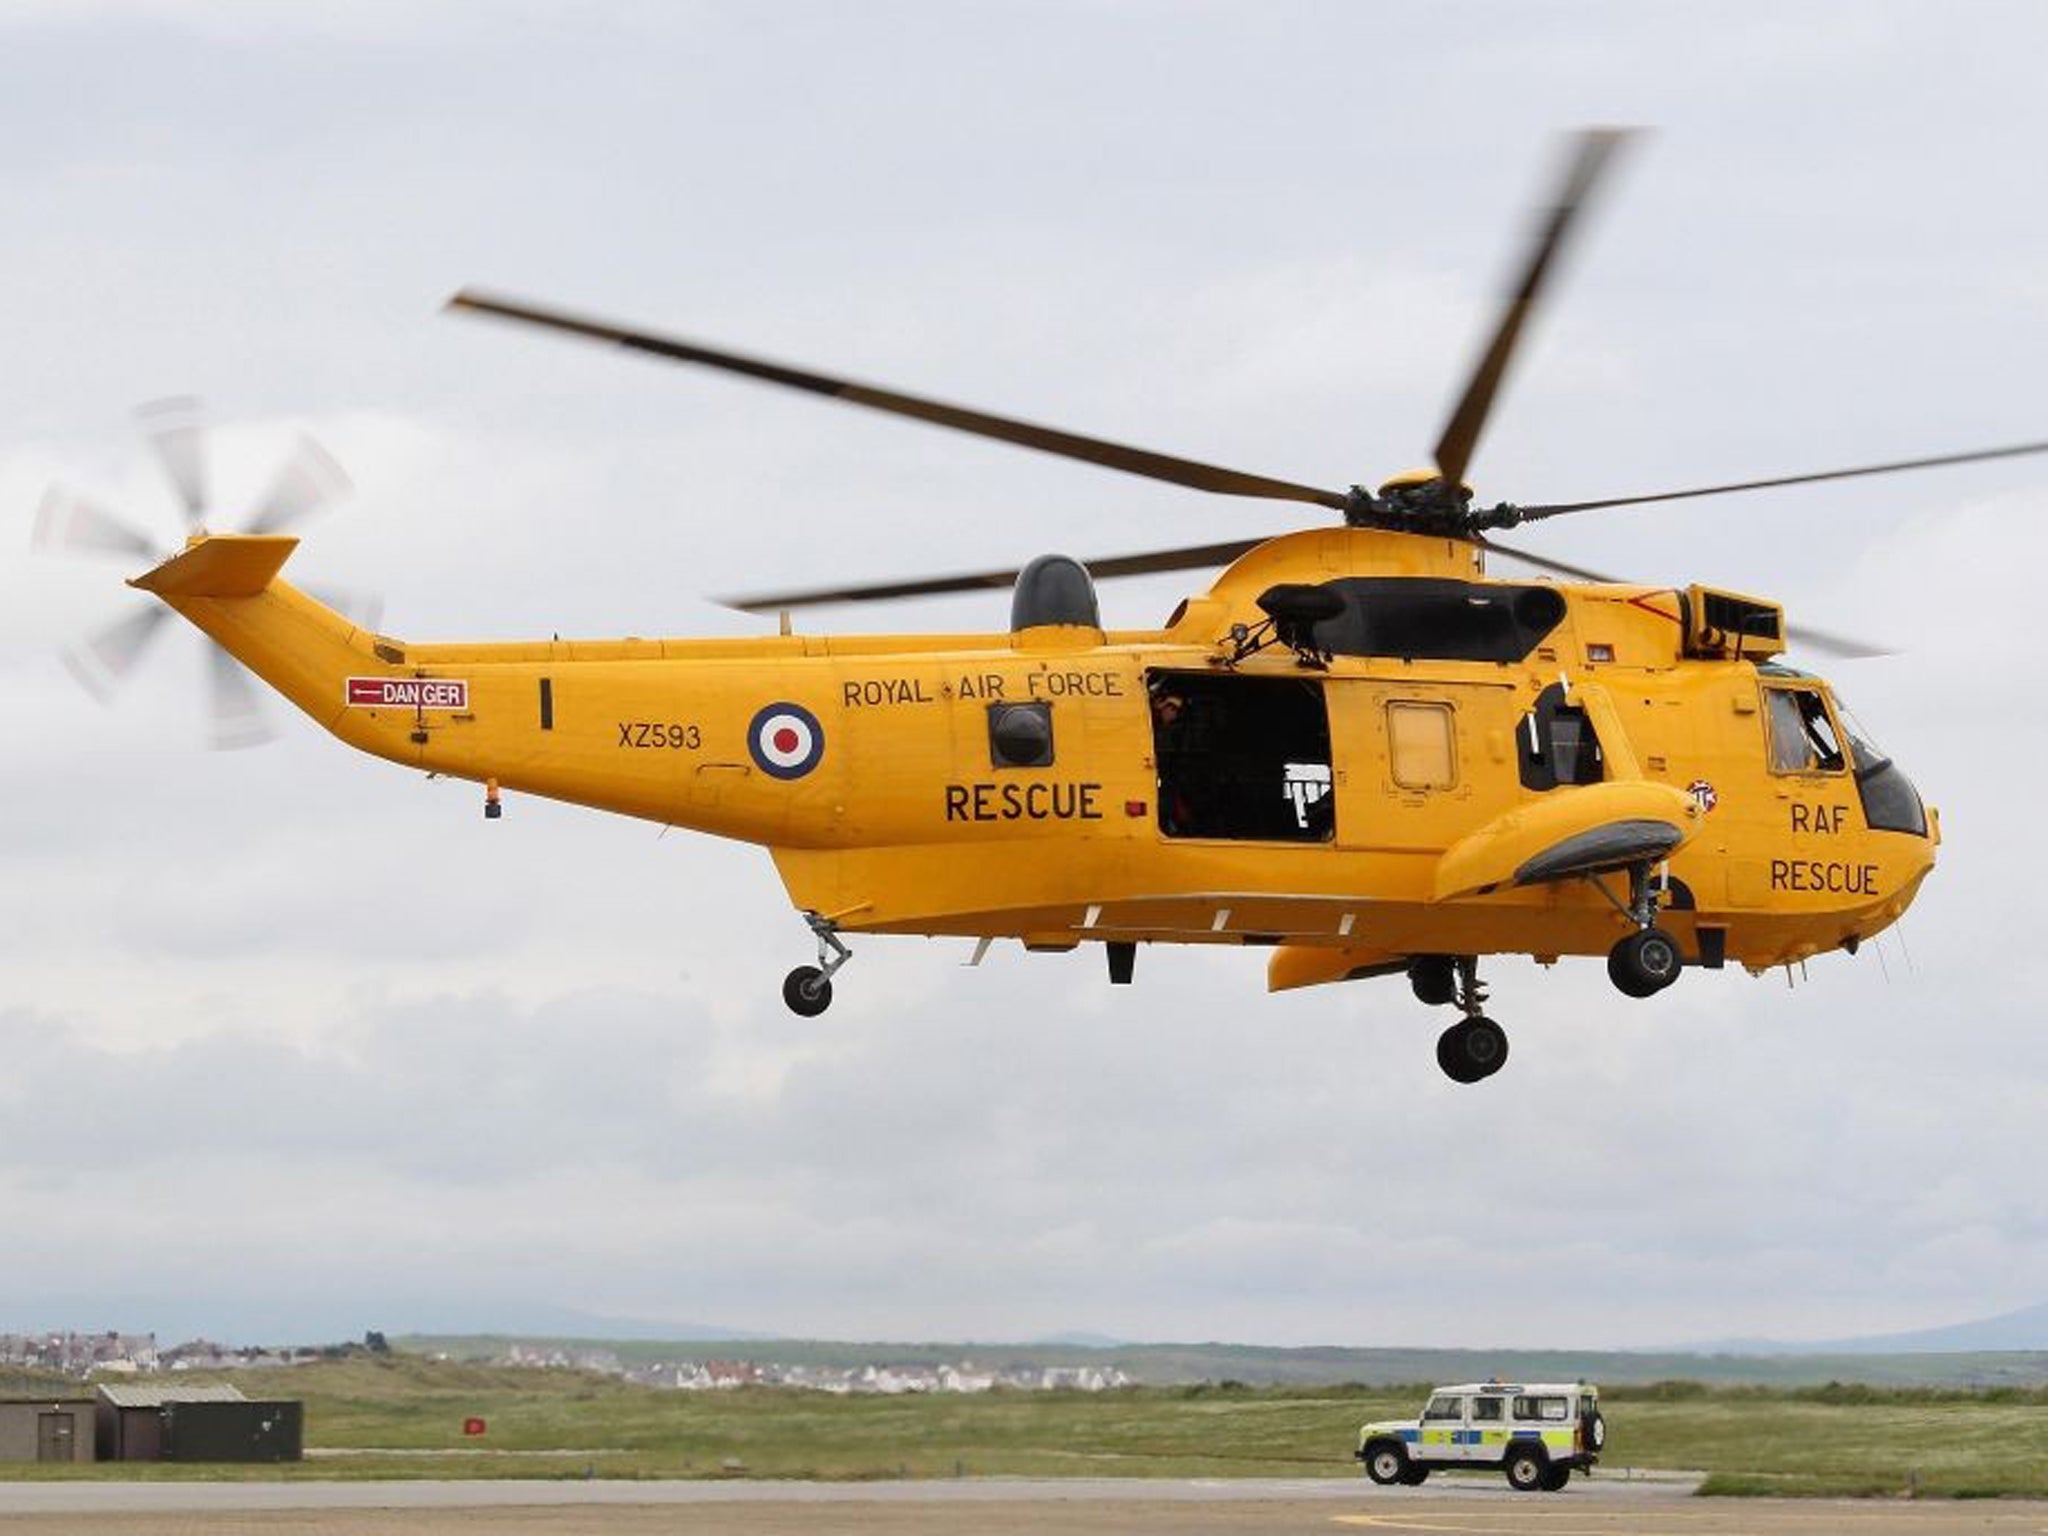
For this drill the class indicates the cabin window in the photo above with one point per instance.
(1552, 1410)
(1242, 757)
(1422, 744)
(1803, 736)
(1441, 1408)
(1487, 1409)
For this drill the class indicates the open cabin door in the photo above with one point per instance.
(1243, 758)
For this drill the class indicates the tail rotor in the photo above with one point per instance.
(67, 522)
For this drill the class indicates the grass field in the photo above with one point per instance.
(402, 1416)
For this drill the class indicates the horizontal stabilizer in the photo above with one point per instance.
(1570, 832)
(220, 565)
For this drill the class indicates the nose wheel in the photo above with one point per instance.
(1475, 1047)
(807, 990)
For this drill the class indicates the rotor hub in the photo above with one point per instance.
(1423, 502)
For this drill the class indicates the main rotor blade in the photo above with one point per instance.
(309, 482)
(1825, 642)
(1454, 449)
(237, 715)
(103, 658)
(175, 431)
(1192, 557)
(1069, 445)
(76, 525)
(1938, 461)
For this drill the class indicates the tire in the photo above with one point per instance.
(1526, 1470)
(1450, 1056)
(1596, 1432)
(1386, 1463)
(1472, 1050)
(1434, 979)
(1644, 963)
(1414, 1477)
(807, 991)
(1555, 1478)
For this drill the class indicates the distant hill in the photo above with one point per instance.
(2025, 1329)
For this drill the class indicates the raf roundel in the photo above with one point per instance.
(786, 740)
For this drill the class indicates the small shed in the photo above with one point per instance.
(46, 1428)
(258, 1430)
(211, 1423)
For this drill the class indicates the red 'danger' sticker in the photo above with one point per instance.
(408, 692)
(786, 740)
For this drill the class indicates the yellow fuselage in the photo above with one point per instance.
(876, 790)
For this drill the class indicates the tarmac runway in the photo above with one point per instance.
(999, 1507)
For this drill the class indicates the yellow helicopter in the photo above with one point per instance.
(1355, 749)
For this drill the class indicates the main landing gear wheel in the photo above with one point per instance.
(808, 991)
(1644, 963)
(1472, 1049)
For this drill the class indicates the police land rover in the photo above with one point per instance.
(1536, 1434)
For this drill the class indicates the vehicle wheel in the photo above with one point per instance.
(807, 990)
(1386, 1463)
(1596, 1432)
(1434, 979)
(1644, 963)
(1471, 1050)
(1415, 1477)
(1526, 1470)
(1554, 1479)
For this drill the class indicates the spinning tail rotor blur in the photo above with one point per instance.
(68, 522)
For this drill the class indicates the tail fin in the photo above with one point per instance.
(220, 565)
(228, 585)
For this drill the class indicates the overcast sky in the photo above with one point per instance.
(295, 1042)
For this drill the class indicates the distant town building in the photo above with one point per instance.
(76, 1354)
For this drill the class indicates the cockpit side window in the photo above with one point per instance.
(1803, 735)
